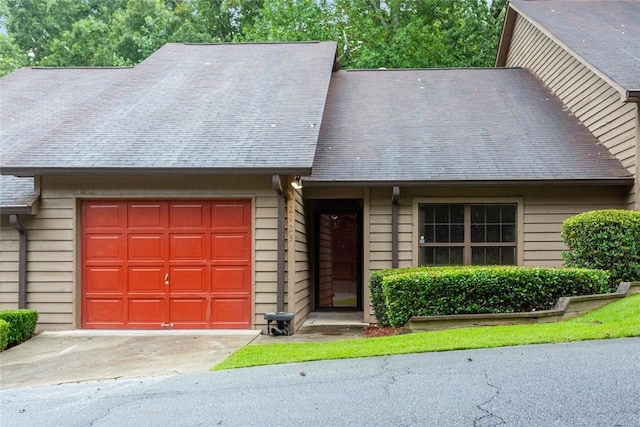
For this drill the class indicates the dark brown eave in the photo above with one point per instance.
(472, 183)
(16, 210)
(633, 95)
(66, 171)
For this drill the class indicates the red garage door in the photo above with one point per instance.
(166, 264)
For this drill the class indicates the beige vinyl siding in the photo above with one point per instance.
(265, 255)
(380, 231)
(53, 278)
(51, 263)
(299, 277)
(543, 217)
(8, 264)
(545, 208)
(590, 98)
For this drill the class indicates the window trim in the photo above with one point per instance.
(518, 201)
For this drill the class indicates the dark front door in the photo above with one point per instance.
(338, 258)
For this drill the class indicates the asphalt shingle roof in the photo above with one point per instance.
(411, 126)
(605, 33)
(187, 108)
(16, 193)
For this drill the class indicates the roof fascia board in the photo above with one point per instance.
(605, 77)
(473, 183)
(505, 37)
(28, 171)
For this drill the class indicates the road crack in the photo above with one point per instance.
(489, 418)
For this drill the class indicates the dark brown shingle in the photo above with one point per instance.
(421, 126)
(187, 108)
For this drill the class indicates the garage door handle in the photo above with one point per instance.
(166, 279)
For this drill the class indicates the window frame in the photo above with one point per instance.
(467, 244)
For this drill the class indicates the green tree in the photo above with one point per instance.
(370, 33)
(140, 29)
(35, 24)
(82, 45)
(417, 33)
(11, 57)
(293, 20)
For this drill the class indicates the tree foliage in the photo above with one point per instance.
(370, 33)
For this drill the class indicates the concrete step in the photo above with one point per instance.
(333, 323)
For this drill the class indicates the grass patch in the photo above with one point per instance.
(616, 320)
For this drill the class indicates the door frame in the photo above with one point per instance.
(323, 206)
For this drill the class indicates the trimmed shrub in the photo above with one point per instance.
(22, 324)
(377, 296)
(4, 334)
(474, 290)
(606, 240)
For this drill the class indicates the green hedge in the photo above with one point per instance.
(22, 324)
(472, 290)
(4, 334)
(375, 286)
(606, 240)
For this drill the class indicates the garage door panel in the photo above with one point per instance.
(149, 311)
(189, 215)
(230, 247)
(229, 279)
(230, 215)
(188, 247)
(146, 247)
(103, 215)
(104, 247)
(146, 279)
(103, 311)
(104, 280)
(147, 215)
(191, 312)
(230, 312)
(188, 279)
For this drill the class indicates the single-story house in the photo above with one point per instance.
(212, 184)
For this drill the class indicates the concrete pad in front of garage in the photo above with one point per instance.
(89, 355)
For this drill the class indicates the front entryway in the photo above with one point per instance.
(338, 252)
(166, 264)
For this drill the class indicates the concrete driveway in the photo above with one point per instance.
(76, 356)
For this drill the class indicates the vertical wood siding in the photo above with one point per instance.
(590, 98)
(53, 286)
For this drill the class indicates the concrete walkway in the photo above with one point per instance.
(82, 355)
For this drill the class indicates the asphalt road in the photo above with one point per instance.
(593, 383)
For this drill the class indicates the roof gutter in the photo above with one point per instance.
(627, 181)
(16, 210)
(633, 95)
(277, 185)
(22, 261)
(29, 171)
